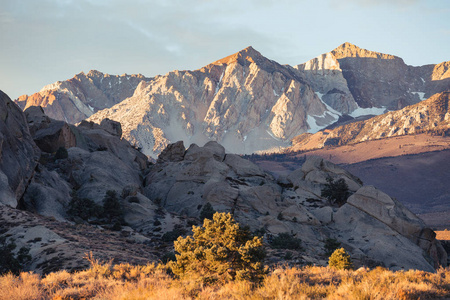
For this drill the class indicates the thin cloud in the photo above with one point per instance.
(143, 31)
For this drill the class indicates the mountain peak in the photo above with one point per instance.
(350, 50)
(244, 57)
(95, 73)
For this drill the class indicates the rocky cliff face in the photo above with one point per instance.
(76, 99)
(350, 77)
(18, 152)
(245, 101)
(325, 76)
(431, 115)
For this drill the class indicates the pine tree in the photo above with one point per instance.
(207, 212)
(336, 192)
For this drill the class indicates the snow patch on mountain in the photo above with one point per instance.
(368, 111)
(420, 94)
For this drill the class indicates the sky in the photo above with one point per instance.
(44, 41)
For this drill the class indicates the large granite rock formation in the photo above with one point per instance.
(376, 229)
(97, 160)
(18, 153)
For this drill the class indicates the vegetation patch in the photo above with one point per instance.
(9, 260)
(330, 246)
(83, 208)
(171, 236)
(207, 212)
(219, 251)
(340, 260)
(286, 240)
(336, 191)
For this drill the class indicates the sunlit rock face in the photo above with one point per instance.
(245, 101)
(76, 99)
(350, 77)
(324, 74)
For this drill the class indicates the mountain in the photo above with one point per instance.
(245, 101)
(76, 99)
(351, 79)
(431, 115)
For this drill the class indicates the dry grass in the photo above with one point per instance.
(124, 281)
(443, 235)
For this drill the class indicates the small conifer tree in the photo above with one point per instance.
(219, 251)
(112, 208)
(83, 208)
(61, 153)
(340, 260)
(336, 191)
(207, 212)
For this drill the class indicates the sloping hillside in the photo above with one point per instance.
(431, 115)
(420, 181)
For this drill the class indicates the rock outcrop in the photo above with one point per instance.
(76, 99)
(376, 229)
(18, 152)
(97, 160)
(48, 134)
(403, 223)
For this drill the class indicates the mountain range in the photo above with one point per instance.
(245, 101)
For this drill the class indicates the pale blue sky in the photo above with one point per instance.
(43, 41)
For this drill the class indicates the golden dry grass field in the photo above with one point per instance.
(124, 281)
